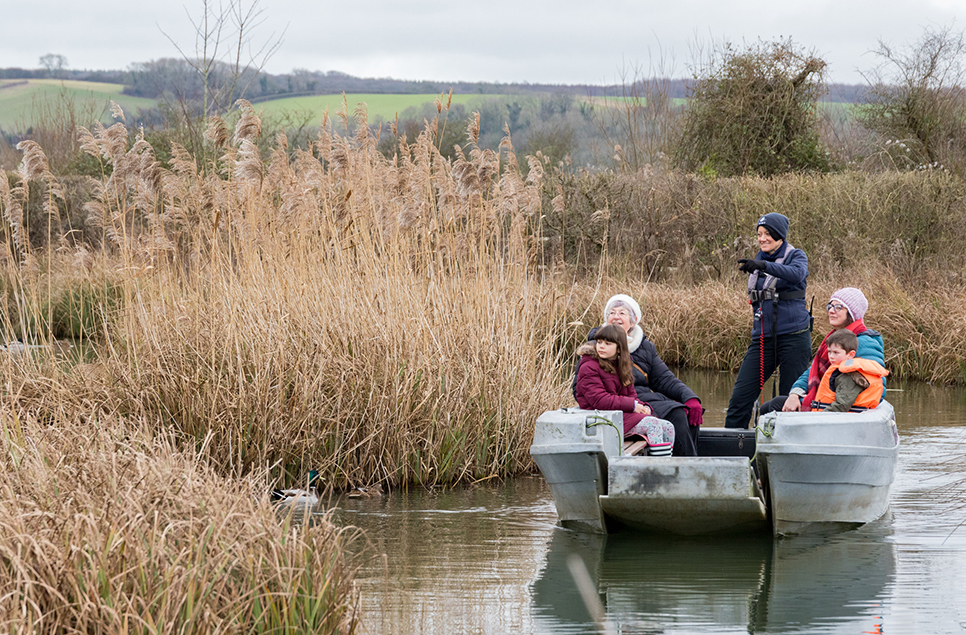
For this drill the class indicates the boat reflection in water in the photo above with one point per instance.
(831, 582)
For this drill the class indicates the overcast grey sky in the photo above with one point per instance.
(537, 41)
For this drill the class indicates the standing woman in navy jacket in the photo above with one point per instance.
(780, 333)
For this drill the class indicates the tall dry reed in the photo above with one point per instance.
(677, 227)
(107, 527)
(376, 320)
(401, 320)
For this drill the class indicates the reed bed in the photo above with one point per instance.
(394, 320)
(107, 527)
(678, 227)
(376, 320)
(402, 320)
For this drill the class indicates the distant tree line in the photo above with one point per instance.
(169, 76)
(110, 77)
(173, 77)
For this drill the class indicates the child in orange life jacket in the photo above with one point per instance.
(850, 382)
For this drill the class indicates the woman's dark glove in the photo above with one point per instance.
(695, 411)
(748, 266)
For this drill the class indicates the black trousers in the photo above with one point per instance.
(685, 435)
(794, 356)
(773, 405)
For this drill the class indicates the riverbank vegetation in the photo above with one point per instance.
(404, 321)
(107, 526)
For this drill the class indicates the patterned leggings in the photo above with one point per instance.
(654, 430)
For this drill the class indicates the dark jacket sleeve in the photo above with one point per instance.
(591, 392)
(573, 383)
(793, 271)
(793, 315)
(660, 377)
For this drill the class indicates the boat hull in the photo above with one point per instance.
(823, 470)
(684, 495)
(572, 447)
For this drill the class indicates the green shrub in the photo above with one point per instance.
(80, 311)
(753, 111)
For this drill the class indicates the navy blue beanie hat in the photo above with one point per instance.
(776, 224)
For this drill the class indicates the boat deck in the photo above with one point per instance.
(635, 448)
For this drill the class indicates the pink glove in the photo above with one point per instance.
(695, 411)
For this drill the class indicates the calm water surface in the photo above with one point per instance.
(491, 559)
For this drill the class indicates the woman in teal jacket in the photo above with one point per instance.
(846, 310)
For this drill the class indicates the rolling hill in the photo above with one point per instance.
(25, 101)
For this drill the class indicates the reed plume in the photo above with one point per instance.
(216, 132)
(117, 112)
(13, 201)
(34, 164)
(249, 126)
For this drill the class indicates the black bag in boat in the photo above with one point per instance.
(726, 442)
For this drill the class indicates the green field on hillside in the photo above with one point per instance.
(25, 101)
(384, 107)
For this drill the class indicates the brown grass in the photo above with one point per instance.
(401, 320)
(107, 528)
(375, 320)
(682, 228)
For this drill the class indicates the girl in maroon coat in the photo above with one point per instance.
(605, 382)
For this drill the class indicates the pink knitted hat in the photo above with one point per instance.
(854, 300)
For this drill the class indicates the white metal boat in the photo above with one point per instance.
(815, 469)
(595, 488)
(827, 468)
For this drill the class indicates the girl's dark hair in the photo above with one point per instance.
(622, 368)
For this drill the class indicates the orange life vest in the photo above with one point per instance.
(868, 398)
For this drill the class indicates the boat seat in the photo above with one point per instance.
(634, 448)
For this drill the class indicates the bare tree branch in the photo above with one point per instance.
(226, 74)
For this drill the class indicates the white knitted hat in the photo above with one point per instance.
(625, 301)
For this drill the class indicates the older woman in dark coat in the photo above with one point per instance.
(664, 395)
